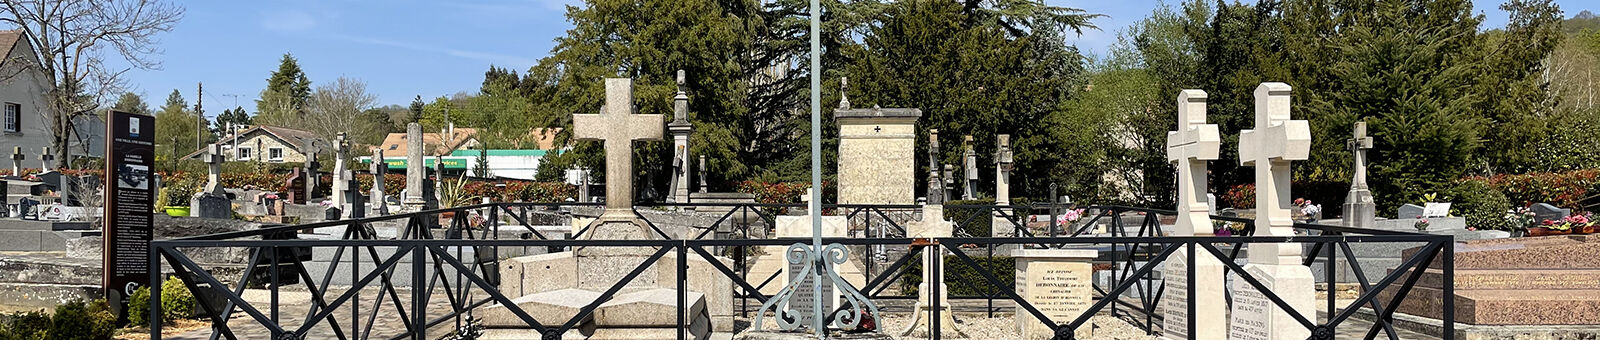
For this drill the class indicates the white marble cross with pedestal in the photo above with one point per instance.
(1194, 143)
(1360, 211)
(16, 162)
(1270, 147)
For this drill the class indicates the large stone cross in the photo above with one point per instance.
(214, 160)
(1194, 143)
(1275, 141)
(16, 161)
(45, 159)
(341, 148)
(618, 127)
(1358, 144)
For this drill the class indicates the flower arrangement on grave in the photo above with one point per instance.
(1521, 219)
(1422, 224)
(1227, 229)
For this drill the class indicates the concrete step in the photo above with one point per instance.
(1505, 307)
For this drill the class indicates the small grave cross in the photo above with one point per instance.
(45, 159)
(1194, 143)
(617, 126)
(16, 161)
(1270, 147)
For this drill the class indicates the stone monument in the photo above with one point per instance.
(1056, 282)
(932, 226)
(969, 169)
(704, 181)
(1360, 211)
(378, 168)
(341, 149)
(935, 179)
(313, 175)
(213, 202)
(352, 194)
(876, 154)
(680, 128)
(1003, 163)
(1270, 147)
(1194, 143)
(1516, 288)
(557, 285)
(415, 171)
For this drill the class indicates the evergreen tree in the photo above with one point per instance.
(131, 103)
(283, 102)
(175, 128)
(416, 111)
(235, 116)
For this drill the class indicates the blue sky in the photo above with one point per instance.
(404, 48)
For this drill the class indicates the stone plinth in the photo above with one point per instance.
(1057, 283)
(876, 161)
(558, 272)
(1257, 317)
(208, 205)
(1210, 300)
(1551, 280)
(932, 226)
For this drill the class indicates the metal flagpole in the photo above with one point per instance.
(818, 324)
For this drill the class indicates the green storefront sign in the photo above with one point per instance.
(450, 163)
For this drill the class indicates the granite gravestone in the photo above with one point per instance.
(1409, 211)
(1194, 143)
(1269, 148)
(313, 178)
(352, 193)
(1547, 212)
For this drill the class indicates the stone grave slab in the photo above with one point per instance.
(1057, 283)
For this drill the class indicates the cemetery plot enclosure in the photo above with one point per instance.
(401, 279)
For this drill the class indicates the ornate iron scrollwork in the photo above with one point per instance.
(790, 319)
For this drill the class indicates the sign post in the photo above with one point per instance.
(129, 206)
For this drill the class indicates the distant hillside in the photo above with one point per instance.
(1585, 20)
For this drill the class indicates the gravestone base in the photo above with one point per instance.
(1210, 301)
(558, 275)
(1057, 283)
(211, 206)
(1255, 317)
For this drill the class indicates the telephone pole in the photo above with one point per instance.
(199, 115)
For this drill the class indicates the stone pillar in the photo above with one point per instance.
(704, 181)
(414, 169)
(877, 164)
(341, 147)
(680, 128)
(378, 168)
(1194, 143)
(969, 169)
(1270, 147)
(1058, 283)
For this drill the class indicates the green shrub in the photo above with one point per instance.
(139, 307)
(79, 321)
(176, 300)
(963, 280)
(27, 326)
(977, 226)
(1484, 207)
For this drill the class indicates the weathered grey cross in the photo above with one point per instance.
(214, 177)
(1275, 141)
(618, 127)
(1194, 143)
(1358, 145)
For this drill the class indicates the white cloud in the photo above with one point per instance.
(496, 58)
(287, 20)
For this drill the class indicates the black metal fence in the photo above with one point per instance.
(439, 265)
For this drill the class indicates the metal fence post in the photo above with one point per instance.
(683, 277)
(419, 319)
(155, 293)
(1448, 267)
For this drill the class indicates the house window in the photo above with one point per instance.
(13, 117)
(245, 153)
(275, 154)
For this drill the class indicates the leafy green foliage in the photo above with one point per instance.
(139, 306)
(176, 303)
(80, 321)
(175, 128)
(962, 279)
(1483, 206)
(975, 226)
(288, 92)
(27, 326)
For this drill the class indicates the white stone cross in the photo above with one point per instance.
(16, 162)
(45, 159)
(340, 182)
(618, 127)
(1194, 143)
(1275, 141)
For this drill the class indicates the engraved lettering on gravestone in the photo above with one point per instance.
(802, 300)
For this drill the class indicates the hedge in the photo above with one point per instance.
(977, 226)
(71, 321)
(961, 279)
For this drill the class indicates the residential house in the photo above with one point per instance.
(25, 116)
(269, 144)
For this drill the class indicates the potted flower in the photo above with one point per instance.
(1422, 224)
(1519, 220)
(172, 197)
(453, 195)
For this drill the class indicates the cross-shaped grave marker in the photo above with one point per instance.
(617, 126)
(1270, 147)
(16, 161)
(214, 160)
(45, 158)
(1194, 143)
(1359, 209)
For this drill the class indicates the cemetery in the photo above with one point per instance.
(762, 170)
